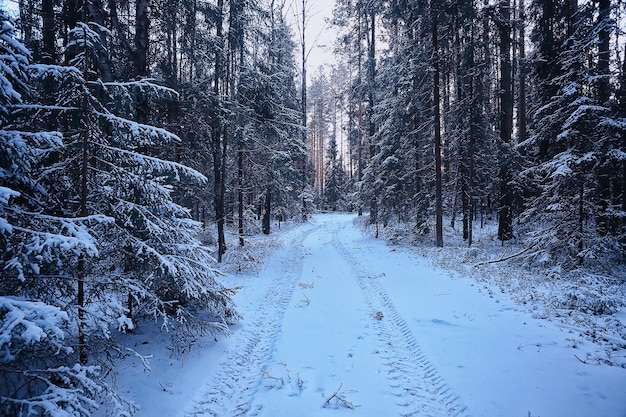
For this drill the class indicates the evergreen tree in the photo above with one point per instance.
(335, 178)
(42, 373)
(570, 200)
(273, 150)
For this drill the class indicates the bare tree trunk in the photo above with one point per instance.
(505, 226)
(141, 37)
(80, 295)
(465, 199)
(473, 136)
(49, 54)
(267, 214)
(84, 193)
(371, 73)
(521, 104)
(623, 114)
(606, 172)
(360, 162)
(437, 115)
(219, 142)
(240, 208)
(581, 221)
(304, 110)
(604, 88)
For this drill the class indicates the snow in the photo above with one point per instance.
(560, 165)
(58, 72)
(27, 322)
(582, 110)
(6, 194)
(338, 323)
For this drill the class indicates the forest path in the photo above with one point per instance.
(324, 335)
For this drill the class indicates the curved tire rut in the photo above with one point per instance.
(413, 379)
(239, 374)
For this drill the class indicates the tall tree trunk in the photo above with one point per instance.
(82, 269)
(142, 35)
(473, 137)
(240, 207)
(84, 212)
(505, 226)
(623, 114)
(581, 221)
(606, 172)
(219, 141)
(467, 166)
(360, 144)
(267, 214)
(371, 73)
(49, 53)
(421, 218)
(303, 93)
(604, 88)
(521, 104)
(437, 116)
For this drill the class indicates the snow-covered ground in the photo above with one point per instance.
(339, 323)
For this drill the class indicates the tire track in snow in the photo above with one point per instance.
(413, 379)
(238, 376)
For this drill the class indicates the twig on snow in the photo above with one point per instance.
(583, 361)
(306, 301)
(340, 399)
(279, 381)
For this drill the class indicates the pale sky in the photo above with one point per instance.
(320, 36)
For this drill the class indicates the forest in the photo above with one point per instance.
(141, 139)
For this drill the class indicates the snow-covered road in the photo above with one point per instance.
(325, 336)
(336, 323)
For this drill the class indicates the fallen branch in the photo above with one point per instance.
(505, 258)
(145, 359)
(576, 356)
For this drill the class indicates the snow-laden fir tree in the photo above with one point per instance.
(568, 152)
(271, 141)
(396, 179)
(472, 141)
(91, 228)
(41, 373)
(335, 178)
(154, 253)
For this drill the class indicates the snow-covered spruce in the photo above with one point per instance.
(89, 233)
